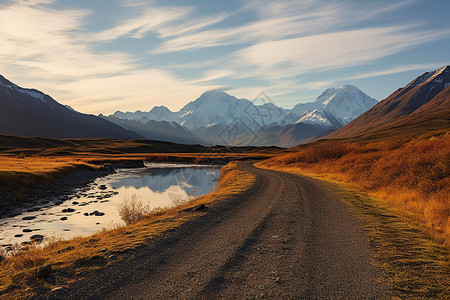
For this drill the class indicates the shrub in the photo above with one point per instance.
(132, 209)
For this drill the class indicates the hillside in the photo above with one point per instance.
(423, 101)
(29, 112)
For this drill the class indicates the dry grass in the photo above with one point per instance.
(412, 174)
(77, 257)
(132, 209)
(413, 265)
(28, 171)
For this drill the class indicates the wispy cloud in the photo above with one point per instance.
(177, 50)
(150, 19)
(398, 69)
(48, 47)
(334, 50)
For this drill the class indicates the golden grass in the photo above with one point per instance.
(413, 265)
(411, 174)
(79, 256)
(16, 171)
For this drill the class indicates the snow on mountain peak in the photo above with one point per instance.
(36, 95)
(348, 103)
(336, 106)
(315, 117)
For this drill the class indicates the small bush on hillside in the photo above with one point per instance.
(132, 209)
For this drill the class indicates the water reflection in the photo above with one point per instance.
(191, 180)
(158, 185)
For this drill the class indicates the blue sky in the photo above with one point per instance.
(107, 55)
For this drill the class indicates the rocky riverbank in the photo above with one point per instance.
(21, 199)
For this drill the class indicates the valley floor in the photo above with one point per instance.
(271, 234)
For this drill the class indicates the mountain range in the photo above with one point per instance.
(219, 118)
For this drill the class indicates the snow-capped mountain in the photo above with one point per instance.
(335, 107)
(216, 115)
(347, 103)
(217, 107)
(213, 107)
(29, 112)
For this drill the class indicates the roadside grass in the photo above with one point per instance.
(413, 265)
(409, 173)
(75, 258)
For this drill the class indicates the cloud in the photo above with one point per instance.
(333, 50)
(150, 19)
(399, 69)
(46, 48)
(140, 89)
(278, 20)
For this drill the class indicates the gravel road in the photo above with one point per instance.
(287, 237)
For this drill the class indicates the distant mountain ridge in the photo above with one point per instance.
(426, 99)
(29, 112)
(215, 118)
(210, 116)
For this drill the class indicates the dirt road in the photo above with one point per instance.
(285, 238)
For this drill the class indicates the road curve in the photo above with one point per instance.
(285, 238)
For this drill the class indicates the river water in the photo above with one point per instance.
(95, 206)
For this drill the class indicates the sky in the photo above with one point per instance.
(106, 55)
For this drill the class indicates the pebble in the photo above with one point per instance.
(37, 237)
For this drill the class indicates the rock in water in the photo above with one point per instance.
(37, 238)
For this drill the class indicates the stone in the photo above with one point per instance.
(63, 219)
(18, 235)
(27, 230)
(200, 207)
(45, 271)
(29, 218)
(37, 238)
(102, 187)
(75, 203)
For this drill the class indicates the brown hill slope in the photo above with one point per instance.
(425, 100)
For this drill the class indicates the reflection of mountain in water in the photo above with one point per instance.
(193, 181)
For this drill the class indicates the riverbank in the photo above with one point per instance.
(69, 260)
(28, 183)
